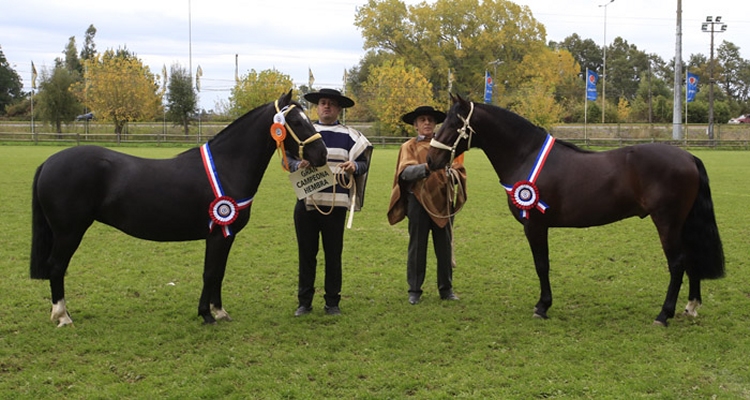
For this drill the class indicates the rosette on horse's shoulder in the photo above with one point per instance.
(223, 210)
(525, 195)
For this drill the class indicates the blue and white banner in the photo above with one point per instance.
(691, 83)
(591, 79)
(488, 84)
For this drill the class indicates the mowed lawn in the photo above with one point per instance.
(136, 332)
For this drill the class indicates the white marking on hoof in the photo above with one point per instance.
(60, 313)
(691, 309)
(220, 314)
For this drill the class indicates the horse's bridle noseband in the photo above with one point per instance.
(284, 111)
(462, 134)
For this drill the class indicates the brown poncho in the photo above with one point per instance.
(432, 192)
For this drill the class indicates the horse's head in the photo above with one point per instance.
(448, 141)
(301, 138)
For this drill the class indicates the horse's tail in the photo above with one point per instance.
(41, 236)
(700, 235)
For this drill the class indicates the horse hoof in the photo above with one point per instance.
(65, 322)
(691, 309)
(220, 314)
(689, 313)
(540, 316)
(660, 323)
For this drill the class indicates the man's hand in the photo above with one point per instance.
(348, 167)
(303, 164)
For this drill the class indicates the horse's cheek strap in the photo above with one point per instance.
(439, 145)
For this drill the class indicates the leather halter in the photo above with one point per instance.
(284, 111)
(462, 134)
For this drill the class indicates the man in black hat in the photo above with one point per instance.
(323, 214)
(427, 200)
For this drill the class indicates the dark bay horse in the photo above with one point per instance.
(202, 193)
(556, 184)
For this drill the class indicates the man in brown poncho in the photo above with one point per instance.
(429, 200)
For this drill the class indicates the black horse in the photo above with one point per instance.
(556, 184)
(202, 193)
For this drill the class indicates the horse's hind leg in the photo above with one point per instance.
(62, 252)
(215, 263)
(671, 244)
(694, 298)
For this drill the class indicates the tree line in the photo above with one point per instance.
(413, 55)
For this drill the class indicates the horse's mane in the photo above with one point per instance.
(572, 146)
(523, 123)
(241, 120)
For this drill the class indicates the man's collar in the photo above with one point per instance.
(335, 123)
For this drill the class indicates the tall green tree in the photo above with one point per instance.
(182, 101)
(585, 51)
(625, 66)
(256, 89)
(89, 47)
(10, 84)
(72, 63)
(733, 75)
(56, 104)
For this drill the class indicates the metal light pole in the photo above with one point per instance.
(712, 26)
(190, 41)
(604, 71)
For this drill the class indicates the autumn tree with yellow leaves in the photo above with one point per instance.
(257, 88)
(117, 87)
(393, 89)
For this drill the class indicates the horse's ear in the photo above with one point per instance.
(285, 99)
(463, 103)
(453, 98)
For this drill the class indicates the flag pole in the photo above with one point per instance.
(686, 101)
(586, 107)
(33, 86)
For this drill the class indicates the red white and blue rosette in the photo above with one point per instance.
(223, 210)
(524, 195)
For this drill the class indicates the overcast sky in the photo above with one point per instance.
(294, 35)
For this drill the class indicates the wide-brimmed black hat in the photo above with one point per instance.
(423, 110)
(333, 94)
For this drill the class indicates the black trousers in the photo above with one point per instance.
(420, 226)
(310, 225)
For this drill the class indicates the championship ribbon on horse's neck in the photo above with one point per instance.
(525, 194)
(223, 210)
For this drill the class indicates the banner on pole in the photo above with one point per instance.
(692, 86)
(591, 79)
(487, 87)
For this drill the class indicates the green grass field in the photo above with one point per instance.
(137, 333)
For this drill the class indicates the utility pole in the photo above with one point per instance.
(677, 103)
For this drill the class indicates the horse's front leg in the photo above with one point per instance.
(537, 237)
(215, 263)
